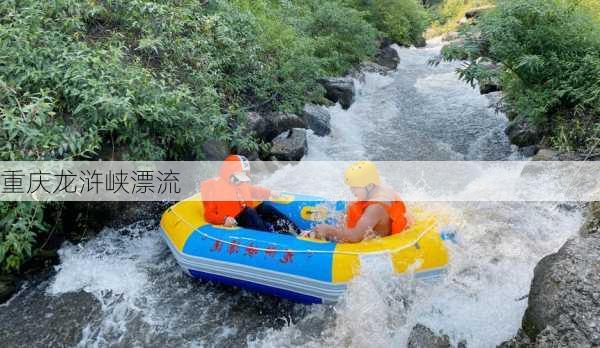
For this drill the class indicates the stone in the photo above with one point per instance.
(564, 301)
(291, 145)
(35, 319)
(489, 86)
(317, 118)
(257, 124)
(422, 337)
(279, 122)
(387, 57)
(339, 89)
(529, 151)
(215, 150)
(420, 42)
(522, 132)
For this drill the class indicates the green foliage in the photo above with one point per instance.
(549, 51)
(342, 37)
(446, 16)
(403, 21)
(19, 224)
(153, 80)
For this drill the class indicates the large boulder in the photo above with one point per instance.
(339, 89)
(279, 122)
(291, 145)
(564, 301)
(317, 118)
(387, 57)
(522, 132)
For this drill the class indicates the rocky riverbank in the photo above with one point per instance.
(286, 133)
(564, 302)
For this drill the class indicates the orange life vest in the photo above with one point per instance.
(396, 211)
(221, 198)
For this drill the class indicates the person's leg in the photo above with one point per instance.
(280, 222)
(249, 218)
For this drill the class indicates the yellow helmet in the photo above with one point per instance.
(361, 174)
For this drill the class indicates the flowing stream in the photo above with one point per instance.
(124, 288)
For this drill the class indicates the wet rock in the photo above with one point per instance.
(215, 150)
(491, 84)
(8, 287)
(420, 42)
(258, 125)
(339, 89)
(290, 146)
(564, 301)
(279, 122)
(34, 319)
(317, 118)
(529, 151)
(422, 337)
(522, 132)
(387, 57)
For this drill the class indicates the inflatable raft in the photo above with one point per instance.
(297, 268)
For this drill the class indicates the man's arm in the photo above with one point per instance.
(371, 216)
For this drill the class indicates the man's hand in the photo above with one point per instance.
(230, 222)
(323, 231)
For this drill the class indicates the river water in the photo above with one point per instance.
(124, 288)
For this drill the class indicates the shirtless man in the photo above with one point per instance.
(377, 212)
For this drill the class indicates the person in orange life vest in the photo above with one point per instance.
(231, 200)
(378, 211)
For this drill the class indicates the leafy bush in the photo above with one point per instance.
(151, 80)
(403, 21)
(342, 37)
(19, 224)
(549, 52)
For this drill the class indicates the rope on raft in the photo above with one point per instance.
(414, 243)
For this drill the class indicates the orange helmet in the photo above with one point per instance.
(237, 166)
